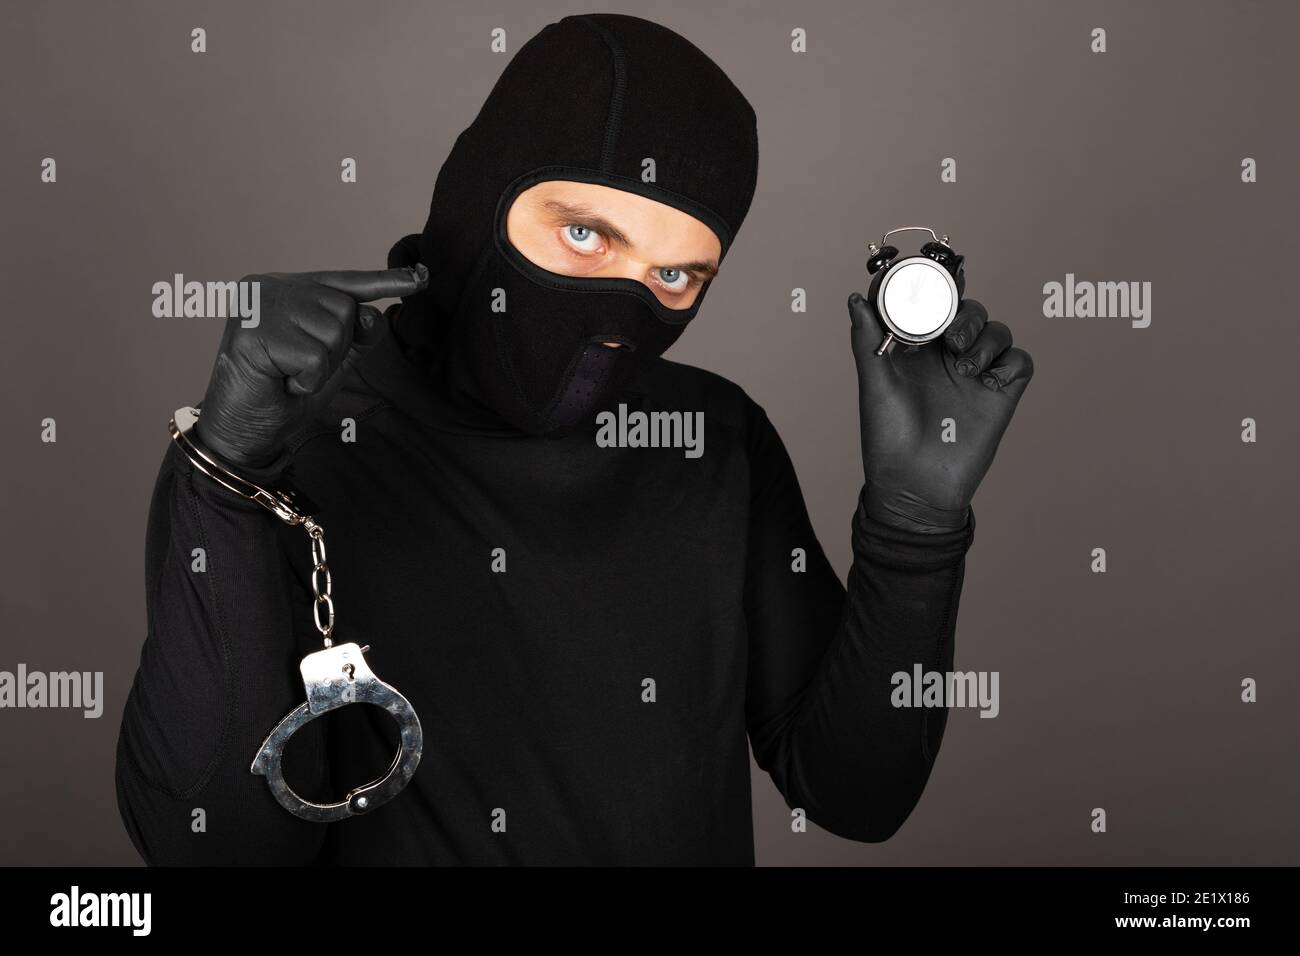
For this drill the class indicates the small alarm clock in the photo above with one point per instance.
(916, 297)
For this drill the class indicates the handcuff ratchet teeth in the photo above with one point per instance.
(333, 677)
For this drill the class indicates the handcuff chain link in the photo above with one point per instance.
(322, 582)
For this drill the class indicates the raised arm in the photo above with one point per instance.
(822, 712)
(820, 663)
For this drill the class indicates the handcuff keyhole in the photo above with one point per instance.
(349, 669)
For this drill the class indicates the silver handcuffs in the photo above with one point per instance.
(333, 677)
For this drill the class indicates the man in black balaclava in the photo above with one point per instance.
(591, 100)
(589, 633)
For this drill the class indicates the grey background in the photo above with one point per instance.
(1118, 690)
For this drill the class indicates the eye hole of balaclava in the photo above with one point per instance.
(597, 283)
(587, 230)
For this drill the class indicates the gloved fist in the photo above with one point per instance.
(271, 379)
(916, 480)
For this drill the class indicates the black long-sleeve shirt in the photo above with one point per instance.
(591, 703)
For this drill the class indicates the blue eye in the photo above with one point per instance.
(675, 280)
(582, 238)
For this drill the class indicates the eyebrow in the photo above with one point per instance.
(581, 215)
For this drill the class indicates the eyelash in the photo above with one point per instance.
(694, 280)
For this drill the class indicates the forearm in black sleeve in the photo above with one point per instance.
(819, 706)
(218, 670)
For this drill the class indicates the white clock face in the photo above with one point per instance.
(919, 297)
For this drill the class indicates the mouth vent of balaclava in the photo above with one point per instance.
(601, 98)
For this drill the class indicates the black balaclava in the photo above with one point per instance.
(589, 98)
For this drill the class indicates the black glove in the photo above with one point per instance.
(916, 480)
(271, 379)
